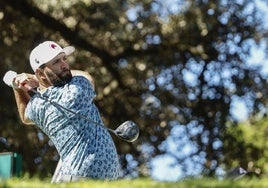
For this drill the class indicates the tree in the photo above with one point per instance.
(245, 144)
(162, 68)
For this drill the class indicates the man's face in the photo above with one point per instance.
(57, 70)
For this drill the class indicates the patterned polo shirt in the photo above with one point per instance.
(86, 149)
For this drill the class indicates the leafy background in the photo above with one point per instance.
(173, 67)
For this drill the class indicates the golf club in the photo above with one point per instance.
(127, 131)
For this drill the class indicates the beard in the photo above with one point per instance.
(59, 79)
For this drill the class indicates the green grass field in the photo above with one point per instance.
(135, 183)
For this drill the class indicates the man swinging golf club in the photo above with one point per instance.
(86, 150)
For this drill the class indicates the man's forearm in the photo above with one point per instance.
(22, 98)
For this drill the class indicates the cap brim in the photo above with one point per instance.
(68, 50)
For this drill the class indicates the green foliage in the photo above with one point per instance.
(245, 145)
(138, 183)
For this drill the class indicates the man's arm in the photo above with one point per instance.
(24, 82)
(22, 98)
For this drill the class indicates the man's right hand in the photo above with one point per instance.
(24, 81)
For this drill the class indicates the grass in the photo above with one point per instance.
(135, 183)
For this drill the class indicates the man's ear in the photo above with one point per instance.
(39, 73)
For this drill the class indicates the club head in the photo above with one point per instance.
(128, 131)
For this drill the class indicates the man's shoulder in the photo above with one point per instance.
(79, 78)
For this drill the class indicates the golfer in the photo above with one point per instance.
(86, 150)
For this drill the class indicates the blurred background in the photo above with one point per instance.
(191, 73)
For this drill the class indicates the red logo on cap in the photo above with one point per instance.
(54, 46)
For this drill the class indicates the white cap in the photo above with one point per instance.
(45, 52)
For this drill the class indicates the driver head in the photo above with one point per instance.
(128, 131)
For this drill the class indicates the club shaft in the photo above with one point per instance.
(71, 111)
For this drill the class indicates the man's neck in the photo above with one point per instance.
(42, 88)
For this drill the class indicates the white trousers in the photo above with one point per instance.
(60, 178)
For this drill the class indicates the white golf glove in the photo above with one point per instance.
(9, 77)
